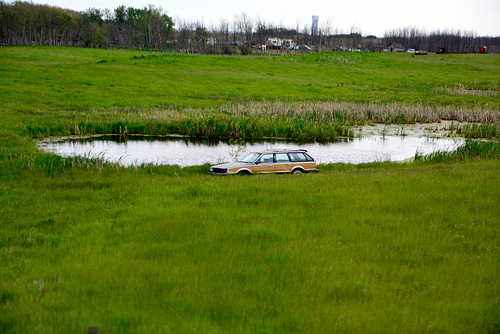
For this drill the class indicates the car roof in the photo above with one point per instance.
(280, 151)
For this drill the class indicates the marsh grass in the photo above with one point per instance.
(220, 126)
(391, 113)
(54, 164)
(470, 150)
(488, 131)
(319, 121)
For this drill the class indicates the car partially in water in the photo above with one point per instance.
(269, 161)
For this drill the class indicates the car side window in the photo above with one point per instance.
(282, 157)
(266, 158)
(297, 157)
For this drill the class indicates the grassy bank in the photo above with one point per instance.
(376, 248)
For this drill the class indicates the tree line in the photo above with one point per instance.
(26, 23)
(453, 41)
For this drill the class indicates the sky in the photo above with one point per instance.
(369, 17)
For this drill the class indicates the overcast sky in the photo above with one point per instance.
(370, 17)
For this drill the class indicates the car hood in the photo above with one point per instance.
(233, 165)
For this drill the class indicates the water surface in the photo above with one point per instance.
(136, 150)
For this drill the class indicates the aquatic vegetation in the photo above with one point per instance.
(470, 150)
(320, 121)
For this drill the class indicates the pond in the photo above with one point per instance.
(136, 150)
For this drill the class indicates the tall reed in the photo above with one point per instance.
(292, 120)
(471, 149)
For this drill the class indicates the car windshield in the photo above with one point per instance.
(250, 158)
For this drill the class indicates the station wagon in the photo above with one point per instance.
(270, 161)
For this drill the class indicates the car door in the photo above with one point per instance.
(299, 159)
(265, 164)
(283, 164)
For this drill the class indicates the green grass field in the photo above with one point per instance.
(382, 247)
(81, 79)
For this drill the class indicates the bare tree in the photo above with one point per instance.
(325, 32)
(247, 26)
(224, 30)
(184, 36)
(237, 28)
(224, 37)
(200, 37)
(261, 31)
(355, 37)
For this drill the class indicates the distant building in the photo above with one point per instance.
(315, 28)
(396, 47)
(278, 43)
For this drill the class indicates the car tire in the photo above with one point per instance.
(297, 171)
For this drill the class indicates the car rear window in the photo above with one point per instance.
(297, 157)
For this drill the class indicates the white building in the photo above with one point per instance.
(315, 28)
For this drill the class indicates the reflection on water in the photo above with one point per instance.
(184, 152)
